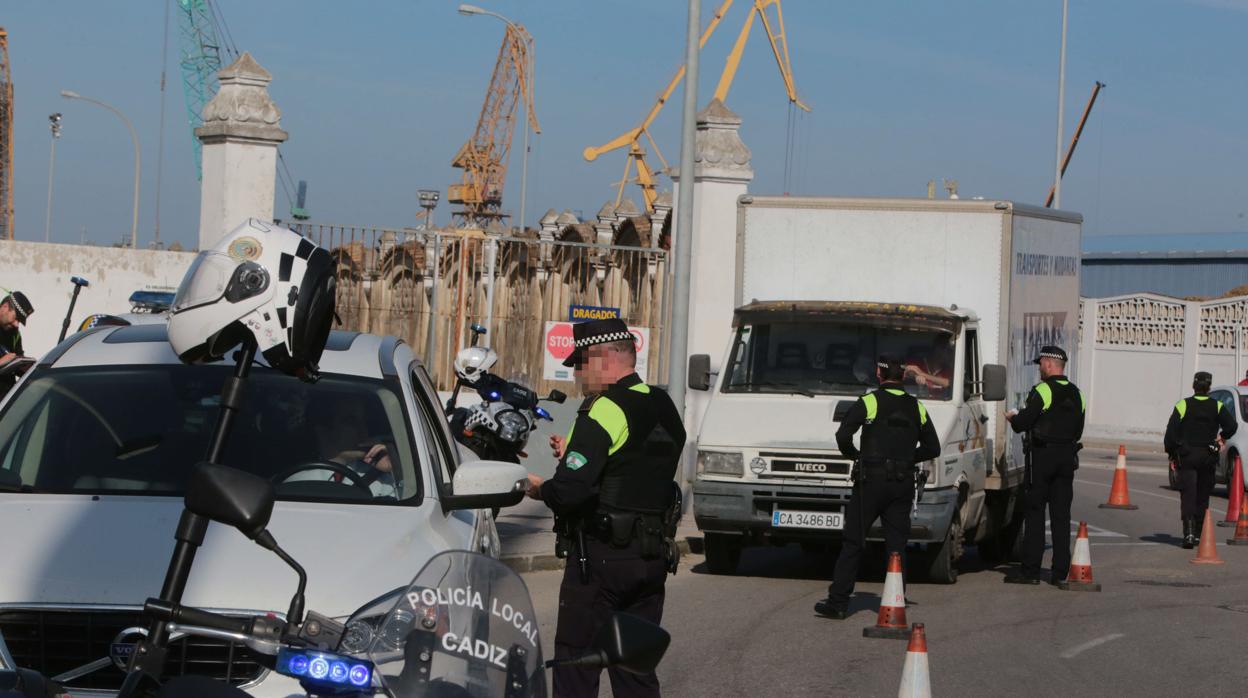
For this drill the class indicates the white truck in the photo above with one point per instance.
(964, 291)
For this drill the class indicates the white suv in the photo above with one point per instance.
(97, 441)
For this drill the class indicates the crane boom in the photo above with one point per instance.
(200, 59)
(6, 140)
(483, 158)
(1074, 141)
(631, 139)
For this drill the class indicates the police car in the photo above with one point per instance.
(1235, 399)
(97, 441)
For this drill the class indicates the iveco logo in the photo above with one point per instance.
(122, 647)
(810, 467)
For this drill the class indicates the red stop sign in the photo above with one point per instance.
(559, 340)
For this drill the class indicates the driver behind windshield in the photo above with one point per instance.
(343, 436)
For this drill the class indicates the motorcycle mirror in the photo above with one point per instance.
(632, 643)
(557, 396)
(230, 496)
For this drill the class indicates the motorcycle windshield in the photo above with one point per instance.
(464, 627)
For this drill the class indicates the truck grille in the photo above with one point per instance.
(54, 641)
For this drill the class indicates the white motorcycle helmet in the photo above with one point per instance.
(262, 281)
(471, 362)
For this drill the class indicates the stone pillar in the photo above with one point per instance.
(240, 135)
(722, 174)
(662, 209)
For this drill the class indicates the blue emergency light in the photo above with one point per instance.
(540, 412)
(325, 670)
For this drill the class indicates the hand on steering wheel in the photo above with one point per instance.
(356, 480)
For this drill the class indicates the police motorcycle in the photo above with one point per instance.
(497, 427)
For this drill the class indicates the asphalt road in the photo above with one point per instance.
(1162, 626)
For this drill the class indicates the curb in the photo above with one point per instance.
(539, 562)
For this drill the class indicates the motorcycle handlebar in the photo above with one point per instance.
(185, 615)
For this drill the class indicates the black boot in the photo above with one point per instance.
(1189, 534)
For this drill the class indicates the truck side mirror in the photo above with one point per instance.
(700, 372)
(842, 409)
(994, 383)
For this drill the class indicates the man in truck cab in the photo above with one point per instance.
(1052, 420)
(897, 435)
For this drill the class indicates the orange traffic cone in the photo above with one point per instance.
(1080, 576)
(915, 682)
(1234, 494)
(1207, 553)
(891, 623)
(1241, 531)
(1118, 496)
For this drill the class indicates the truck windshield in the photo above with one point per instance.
(836, 359)
(140, 429)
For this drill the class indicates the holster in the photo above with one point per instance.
(620, 528)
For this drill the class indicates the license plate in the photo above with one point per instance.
(832, 520)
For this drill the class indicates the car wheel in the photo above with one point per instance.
(943, 565)
(723, 552)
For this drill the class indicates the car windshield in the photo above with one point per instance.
(831, 358)
(140, 429)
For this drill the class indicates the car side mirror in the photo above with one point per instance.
(230, 496)
(699, 372)
(487, 484)
(994, 382)
(842, 409)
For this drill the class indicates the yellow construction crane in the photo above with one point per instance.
(6, 140)
(484, 157)
(632, 139)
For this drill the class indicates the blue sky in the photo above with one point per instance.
(377, 96)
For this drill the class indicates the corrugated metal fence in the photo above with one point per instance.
(386, 277)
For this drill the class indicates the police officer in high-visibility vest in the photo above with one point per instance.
(1192, 443)
(1052, 420)
(615, 501)
(897, 435)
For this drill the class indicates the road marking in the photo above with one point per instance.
(1093, 531)
(1078, 649)
(1149, 494)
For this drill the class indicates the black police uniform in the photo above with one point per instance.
(896, 435)
(1191, 440)
(1053, 420)
(614, 483)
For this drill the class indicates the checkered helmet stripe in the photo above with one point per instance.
(603, 339)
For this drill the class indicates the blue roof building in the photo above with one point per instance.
(1173, 265)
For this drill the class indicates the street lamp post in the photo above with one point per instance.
(429, 201)
(470, 10)
(54, 123)
(134, 225)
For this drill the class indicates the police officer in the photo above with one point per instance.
(1052, 420)
(15, 308)
(1192, 443)
(615, 503)
(896, 436)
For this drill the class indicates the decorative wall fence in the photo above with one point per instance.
(1138, 356)
(386, 280)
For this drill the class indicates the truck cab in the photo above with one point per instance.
(768, 467)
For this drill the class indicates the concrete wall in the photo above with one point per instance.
(1139, 353)
(42, 272)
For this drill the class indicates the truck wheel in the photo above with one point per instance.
(723, 552)
(943, 566)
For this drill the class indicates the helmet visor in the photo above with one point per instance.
(205, 281)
